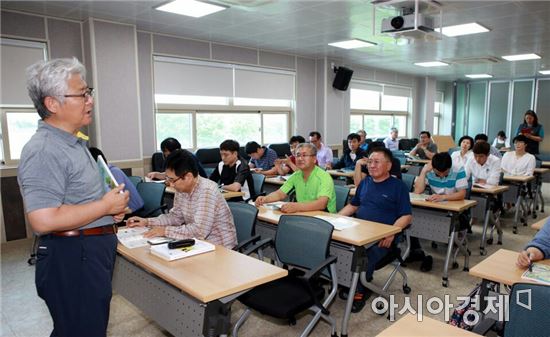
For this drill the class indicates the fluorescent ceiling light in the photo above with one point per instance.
(479, 76)
(521, 57)
(431, 64)
(192, 8)
(544, 72)
(463, 29)
(352, 44)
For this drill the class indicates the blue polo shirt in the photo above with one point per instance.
(383, 202)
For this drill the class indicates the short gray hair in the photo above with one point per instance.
(311, 147)
(394, 129)
(49, 78)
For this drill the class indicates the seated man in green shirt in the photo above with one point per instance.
(314, 187)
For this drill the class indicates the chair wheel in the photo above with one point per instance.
(515, 231)
(466, 269)
(534, 216)
(455, 265)
(379, 308)
(343, 294)
(490, 241)
(469, 252)
(499, 243)
(445, 283)
(434, 245)
(482, 252)
(406, 289)
(31, 261)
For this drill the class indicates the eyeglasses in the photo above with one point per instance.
(300, 155)
(89, 93)
(170, 180)
(375, 162)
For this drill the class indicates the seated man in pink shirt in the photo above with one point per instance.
(199, 211)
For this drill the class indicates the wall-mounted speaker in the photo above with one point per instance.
(342, 78)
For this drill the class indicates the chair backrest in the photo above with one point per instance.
(209, 170)
(244, 217)
(454, 149)
(135, 180)
(243, 154)
(152, 195)
(209, 157)
(528, 310)
(408, 179)
(407, 144)
(302, 240)
(259, 180)
(157, 162)
(342, 195)
(282, 149)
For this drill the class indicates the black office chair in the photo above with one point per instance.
(528, 310)
(244, 217)
(208, 157)
(396, 258)
(157, 162)
(153, 197)
(301, 245)
(342, 195)
(282, 149)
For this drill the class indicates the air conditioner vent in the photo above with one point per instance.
(474, 60)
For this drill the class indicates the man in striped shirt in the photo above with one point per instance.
(199, 210)
(446, 183)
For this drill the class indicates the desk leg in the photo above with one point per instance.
(486, 223)
(359, 256)
(520, 210)
(445, 277)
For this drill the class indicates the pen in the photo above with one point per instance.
(530, 263)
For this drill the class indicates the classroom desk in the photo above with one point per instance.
(349, 245)
(226, 194)
(537, 197)
(192, 296)
(545, 164)
(487, 199)
(409, 326)
(499, 268)
(520, 182)
(418, 161)
(341, 173)
(538, 225)
(431, 221)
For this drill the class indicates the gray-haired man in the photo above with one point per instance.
(66, 204)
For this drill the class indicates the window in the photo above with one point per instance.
(438, 111)
(178, 125)
(18, 127)
(19, 119)
(224, 102)
(379, 107)
(212, 128)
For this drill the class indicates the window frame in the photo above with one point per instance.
(437, 115)
(380, 112)
(7, 159)
(195, 110)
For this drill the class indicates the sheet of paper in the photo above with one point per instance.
(339, 223)
(540, 273)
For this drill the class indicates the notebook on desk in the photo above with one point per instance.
(540, 274)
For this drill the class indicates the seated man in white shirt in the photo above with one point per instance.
(484, 168)
(391, 142)
(518, 162)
